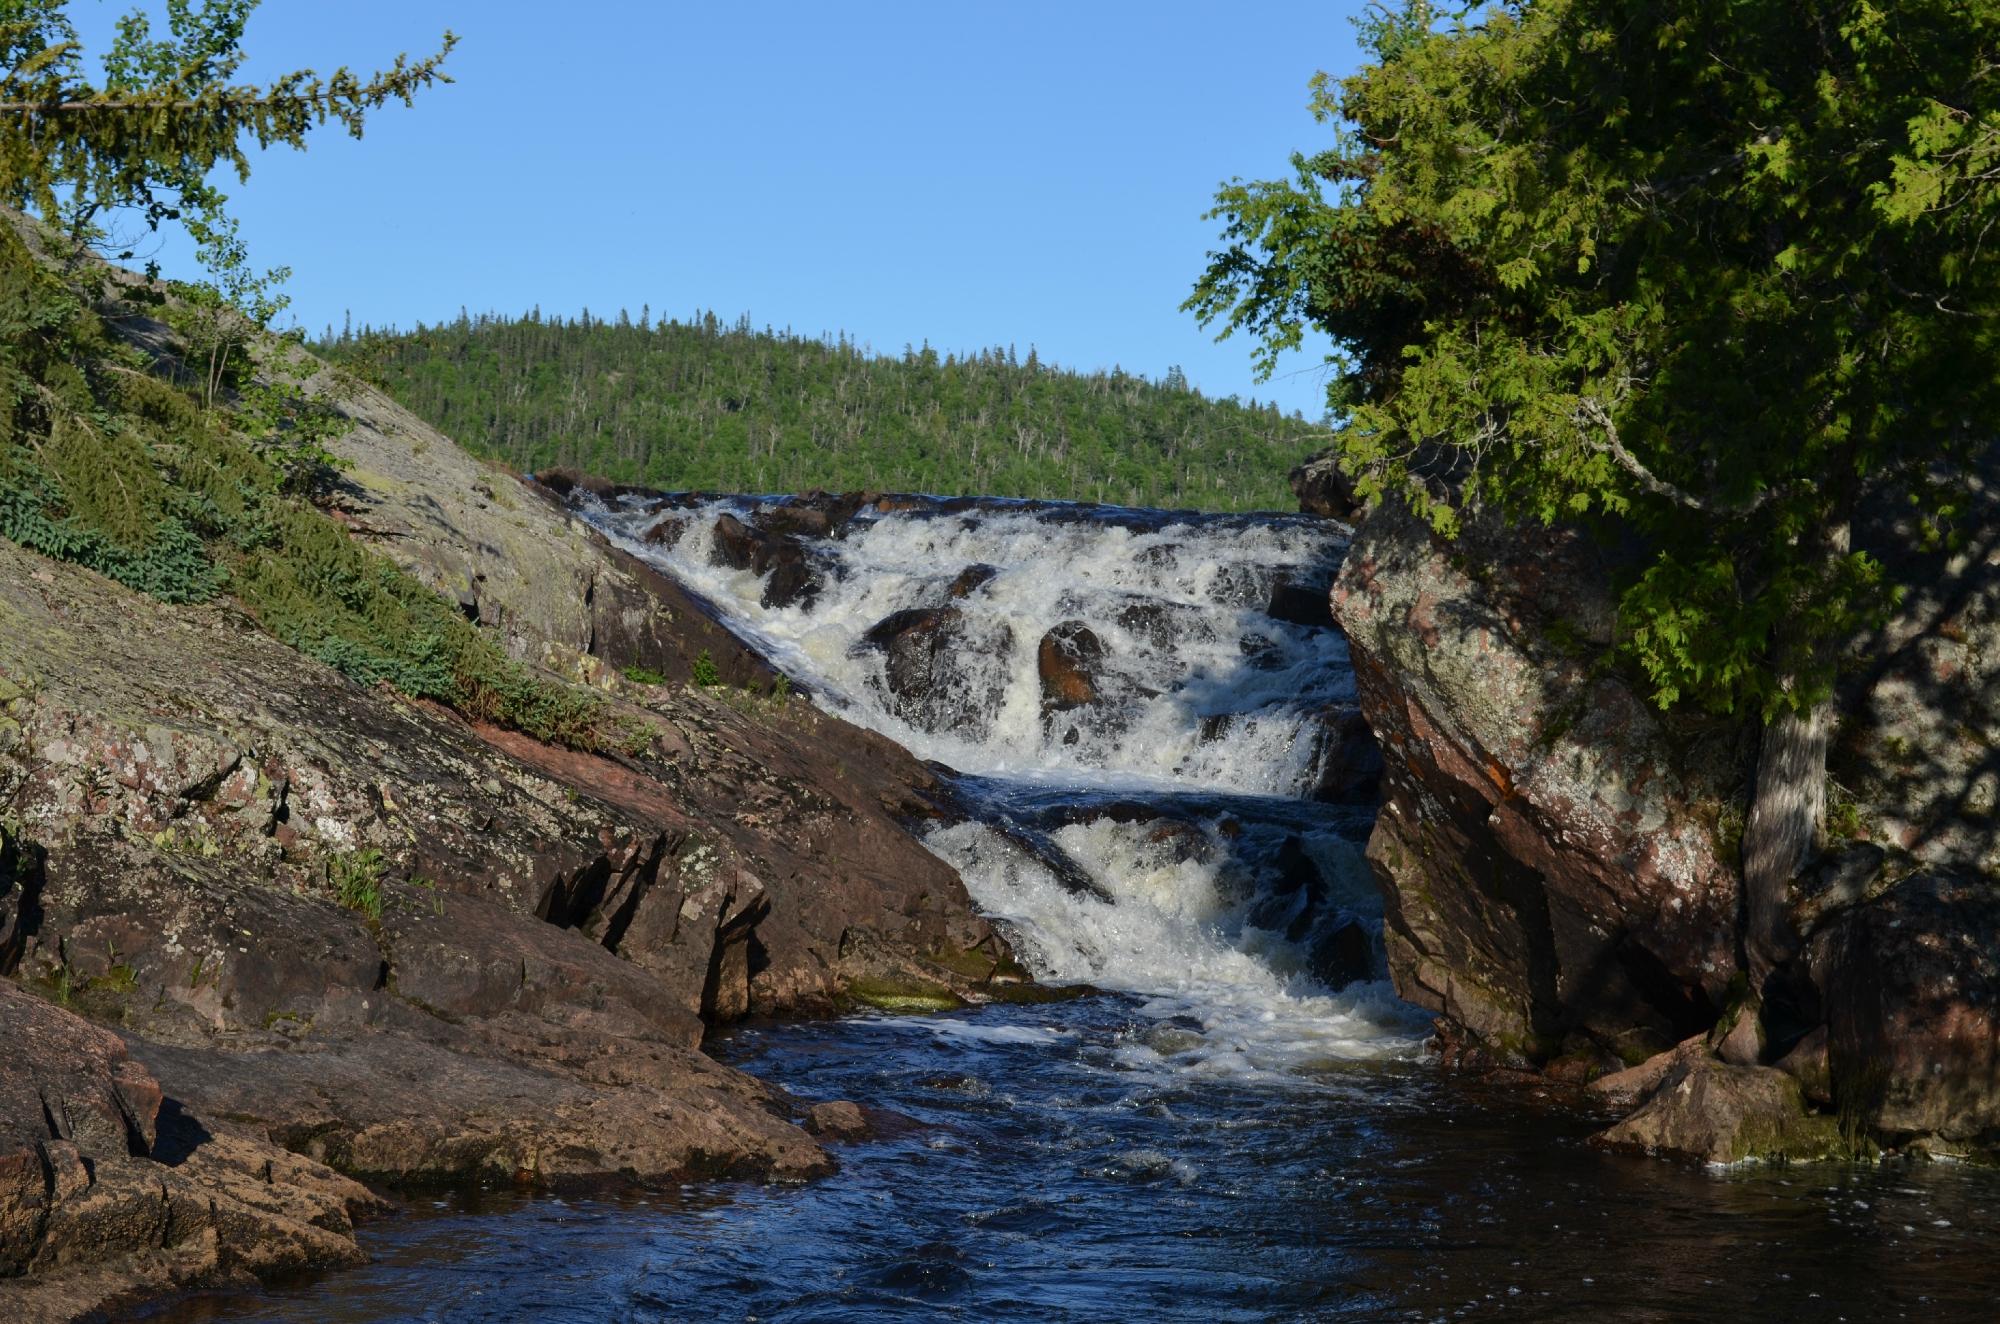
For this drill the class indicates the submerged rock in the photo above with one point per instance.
(970, 579)
(792, 578)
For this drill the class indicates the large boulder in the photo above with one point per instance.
(109, 1187)
(917, 646)
(1707, 1111)
(791, 577)
(1911, 983)
(1552, 877)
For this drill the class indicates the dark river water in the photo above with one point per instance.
(1242, 1126)
(1048, 1172)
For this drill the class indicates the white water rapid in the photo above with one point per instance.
(1151, 717)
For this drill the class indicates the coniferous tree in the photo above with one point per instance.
(165, 115)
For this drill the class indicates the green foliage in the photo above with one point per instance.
(107, 464)
(1704, 278)
(643, 675)
(165, 116)
(704, 671)
(356, 879)
(704, 406)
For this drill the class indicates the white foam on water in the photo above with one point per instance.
(1203, 691)
(1178, 932)
(1173, 608)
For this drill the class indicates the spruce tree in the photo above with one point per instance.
(1708, 278)
(166, 114)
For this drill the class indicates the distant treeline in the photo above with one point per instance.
(704, 404)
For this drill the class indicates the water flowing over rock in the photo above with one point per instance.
(1151, 731)
(338, 931)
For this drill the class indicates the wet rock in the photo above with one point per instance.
(1161, 625)
(918, 644)
(1069, 660)
(1261, 652)
(817, 513)
(1343, 956)
(1347, 763)
(1705, 1111)
(1300, 603)
(1182, 842)
(791, 576)
(1911, 982)
(837, 1119)
(1067, 873)
(969, 579)
(795, 520)
(666, 532)
(563, 482)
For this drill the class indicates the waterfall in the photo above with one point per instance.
(1150, 711)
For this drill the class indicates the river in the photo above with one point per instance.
(1149, 719)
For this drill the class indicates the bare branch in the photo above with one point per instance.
(1592, 415)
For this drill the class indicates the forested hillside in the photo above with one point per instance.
(706, 405)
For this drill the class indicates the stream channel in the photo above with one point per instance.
(1151, 718)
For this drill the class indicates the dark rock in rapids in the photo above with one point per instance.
(917, 644)
(969, 579)
(792, 577)
(1299, 603)
(1069, 660)
(666, 531)
(1347, 763)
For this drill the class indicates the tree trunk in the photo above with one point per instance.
(1786, 816)
(1787, 812)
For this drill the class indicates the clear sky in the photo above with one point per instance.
(1025, 173)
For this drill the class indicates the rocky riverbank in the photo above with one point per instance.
(270, 934)
(1559, 862)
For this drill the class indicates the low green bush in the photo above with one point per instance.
(114, 461)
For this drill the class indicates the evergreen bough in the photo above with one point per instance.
(1706, 278)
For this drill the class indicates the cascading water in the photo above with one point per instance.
(1149, 713)
(1166, 793)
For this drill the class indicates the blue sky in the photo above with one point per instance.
(1025, 173)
